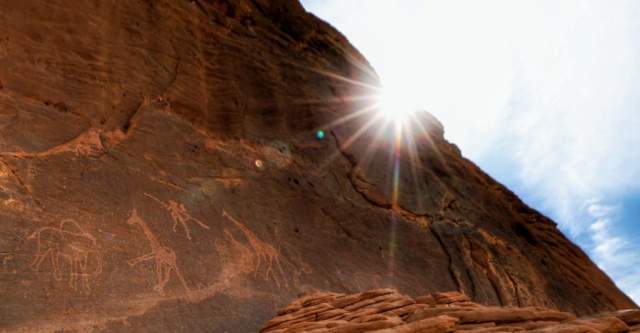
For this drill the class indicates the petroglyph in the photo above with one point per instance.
(263, 253)
(71, 251)
(158, 180)
(7, 172)
(13, 204)
(8, 264)
(179, 215)
(87, 143)
(4, 170)
(244, 255)
(164, 257)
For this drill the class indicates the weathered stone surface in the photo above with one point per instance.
(631, 317)
(492, 314)
(443, 298)
(440, 324)
(159, 171)
(604, 325)
(454, 313)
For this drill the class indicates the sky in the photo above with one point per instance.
(544, 95)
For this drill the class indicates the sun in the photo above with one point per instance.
(395, 104)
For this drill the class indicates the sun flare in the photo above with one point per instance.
(395, 104)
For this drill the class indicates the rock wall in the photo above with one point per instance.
(159, 171)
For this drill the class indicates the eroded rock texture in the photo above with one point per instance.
(387, 311)
(159, 171)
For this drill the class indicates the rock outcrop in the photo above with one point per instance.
(387, 311)
(160, 171)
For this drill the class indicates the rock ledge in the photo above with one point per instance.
(387, 311)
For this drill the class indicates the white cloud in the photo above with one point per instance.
(612, 252)
(577, 115)
(549, 88)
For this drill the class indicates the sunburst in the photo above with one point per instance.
(388, 118)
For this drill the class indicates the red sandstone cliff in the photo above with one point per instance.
(159, 172)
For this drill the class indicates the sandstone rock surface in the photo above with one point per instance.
(387, 311)
(159, 171)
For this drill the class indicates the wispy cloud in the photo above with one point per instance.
(543, 94)
(611, 251)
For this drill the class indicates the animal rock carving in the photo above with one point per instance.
(8, 264)
(257, 80)
(263, 252)
(70, 250)
(179, 215)
(163, 256)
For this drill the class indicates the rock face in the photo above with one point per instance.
(387, 311)
(159, 171)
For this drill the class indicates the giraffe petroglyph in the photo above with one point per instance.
(68, 248)
(263, 251)
(179, 215)
(164, 257)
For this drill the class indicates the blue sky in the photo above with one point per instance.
(543, 94)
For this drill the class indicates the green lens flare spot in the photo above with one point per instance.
(320, 134)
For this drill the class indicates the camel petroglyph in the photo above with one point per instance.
(179, 215)
(70, 250)
(163, 256)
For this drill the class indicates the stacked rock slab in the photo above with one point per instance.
(160, 171)
(387, 311)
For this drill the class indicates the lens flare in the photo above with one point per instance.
(378, 117)
(396, 164)
(395, 104)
